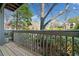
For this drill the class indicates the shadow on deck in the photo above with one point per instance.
(11, 49)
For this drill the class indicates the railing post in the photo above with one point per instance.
(55, 46)
(37, 43)
(66, 44)
(72, 46)
(12, 35)
(47, 44)
(40, 42)
(60, 44)
(50, 46)
(43, 44)
(32, 42)
(26, 39)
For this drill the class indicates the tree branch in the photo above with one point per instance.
(50, 10)
(60, 13)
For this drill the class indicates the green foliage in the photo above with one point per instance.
(77, 26)
(23, 14)
(76, 21)
(13, 24)
(57, 28)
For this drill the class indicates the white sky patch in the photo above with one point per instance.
(35, 18)
(76, 3)
(74, 8)
(8, 15)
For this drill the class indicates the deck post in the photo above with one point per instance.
(2, 40)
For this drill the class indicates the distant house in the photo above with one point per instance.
(68, 25)
(7, 25)
(53, 23)
(34, 26)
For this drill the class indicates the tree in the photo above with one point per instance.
(43, 16)
(75, 20)
(23, 17)
(43, 24)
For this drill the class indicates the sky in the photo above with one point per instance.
(74, 11)
(35, 8)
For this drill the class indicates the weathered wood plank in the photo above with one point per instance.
(26, 52)
(13, 49)
(4, 51)
(16, 48)
(21, 50)
(31, 53)
(1, 52)
(10, 53)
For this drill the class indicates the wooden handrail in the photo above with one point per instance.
(55, 42)
(53, 32)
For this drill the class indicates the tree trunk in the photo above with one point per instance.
(42, 17)
(17, 20)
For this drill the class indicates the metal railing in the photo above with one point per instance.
(49, 43)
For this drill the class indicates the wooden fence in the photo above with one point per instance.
(49, 43)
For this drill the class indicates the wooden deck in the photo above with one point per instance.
(11, 49)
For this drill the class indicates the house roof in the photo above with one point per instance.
(11, 6)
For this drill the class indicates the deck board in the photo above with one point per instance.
(3, 50)
(1, 53)
(11, 49)
(15, 50)
(10, 53)
(23, 51)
